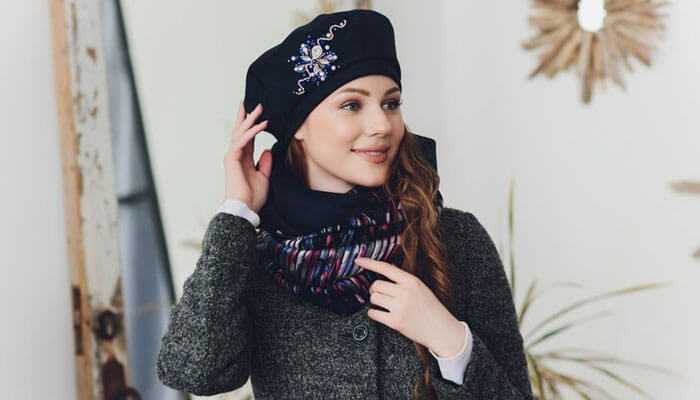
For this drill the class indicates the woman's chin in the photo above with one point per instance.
(373, 179)
(370, 174)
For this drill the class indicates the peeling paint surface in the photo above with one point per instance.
(98, 205)
(98, 200)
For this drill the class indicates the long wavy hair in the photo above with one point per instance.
(415, 183)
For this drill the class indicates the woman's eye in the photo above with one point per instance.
(344, 107)
(394, 104)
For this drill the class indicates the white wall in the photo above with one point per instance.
(36, 346)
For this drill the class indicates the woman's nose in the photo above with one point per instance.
(380, 122)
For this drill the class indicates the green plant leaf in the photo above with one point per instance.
(592, 299)
(619, 379)
(690, 187)
(511, 235)
(573, 382)
(537, 375)
(565, 327)
(556, 355)
(527, 303)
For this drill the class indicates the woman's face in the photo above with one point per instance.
(362, 114)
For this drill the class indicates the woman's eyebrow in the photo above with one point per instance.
(366, 93)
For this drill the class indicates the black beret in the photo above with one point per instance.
(293, 77)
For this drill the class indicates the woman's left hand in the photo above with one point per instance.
(414, 310)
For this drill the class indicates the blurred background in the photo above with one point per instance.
(576, 179)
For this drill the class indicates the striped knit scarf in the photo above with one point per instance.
(320, 266)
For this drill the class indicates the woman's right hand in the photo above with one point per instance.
(244, 181)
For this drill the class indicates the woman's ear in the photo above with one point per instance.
(300, 133)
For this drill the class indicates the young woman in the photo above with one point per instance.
(332, 269)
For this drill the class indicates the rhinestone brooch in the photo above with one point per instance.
(315, 60)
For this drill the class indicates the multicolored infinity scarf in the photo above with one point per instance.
(308, 240)
(321, 267)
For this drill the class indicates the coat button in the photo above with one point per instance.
(359, 332)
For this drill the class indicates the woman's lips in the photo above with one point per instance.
(376, 157)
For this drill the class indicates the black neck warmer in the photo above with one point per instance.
(293, 209)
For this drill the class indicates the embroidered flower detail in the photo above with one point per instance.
(315, 60)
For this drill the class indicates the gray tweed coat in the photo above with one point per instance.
(233, 323)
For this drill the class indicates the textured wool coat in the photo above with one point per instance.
(232, 323)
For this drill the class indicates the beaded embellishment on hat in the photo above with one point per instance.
(315, 60)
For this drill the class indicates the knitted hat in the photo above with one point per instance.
(292, 78)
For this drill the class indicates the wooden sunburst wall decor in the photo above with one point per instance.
(596, 37)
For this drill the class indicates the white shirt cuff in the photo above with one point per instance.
(241, 209)
(453, 368)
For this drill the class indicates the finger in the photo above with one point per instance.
(250, 119)
(241, 141)
(382, 300)
(386, 287)
(380, 316)
(237, 126)
(245, 135)
(241, 113)
(249, 146)
(390, 271)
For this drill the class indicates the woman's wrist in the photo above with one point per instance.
(452, 343)
(238, 207)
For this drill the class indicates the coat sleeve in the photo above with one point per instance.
(207, 346)
(497, 369)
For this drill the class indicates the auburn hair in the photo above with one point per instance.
(415, 183)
